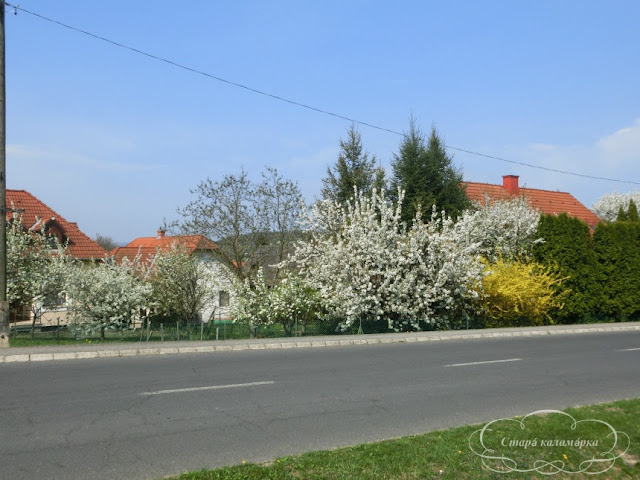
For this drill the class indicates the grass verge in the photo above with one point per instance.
(447, 455)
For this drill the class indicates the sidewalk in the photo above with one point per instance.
(74, 352)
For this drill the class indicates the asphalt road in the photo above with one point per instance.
(148, 417)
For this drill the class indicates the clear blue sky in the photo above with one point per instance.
(114, 140)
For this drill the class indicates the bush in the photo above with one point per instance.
(568, 246)
(519, 293)
(617, 252)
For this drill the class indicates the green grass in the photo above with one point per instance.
(226, 331)
(446, 454)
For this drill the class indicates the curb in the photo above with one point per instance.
(311, 343)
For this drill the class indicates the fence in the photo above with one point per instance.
(23, 335)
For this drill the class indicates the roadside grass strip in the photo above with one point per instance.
(448, 454)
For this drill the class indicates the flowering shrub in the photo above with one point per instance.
(289, 302)
(608, 206)
(251, 300)
(107, 296)
(519, 292)
(365, 264)
(293, 301)
(37, 265)
(506, 228)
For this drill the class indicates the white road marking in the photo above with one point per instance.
(482, 363)
(628, 350)
(211, 387)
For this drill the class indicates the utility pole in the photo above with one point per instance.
(4, 304)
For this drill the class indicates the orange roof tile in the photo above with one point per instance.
(147, 247)
(545, 201)
(35, 214)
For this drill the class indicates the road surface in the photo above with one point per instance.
(148, 417)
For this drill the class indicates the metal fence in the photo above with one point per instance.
(155, 331)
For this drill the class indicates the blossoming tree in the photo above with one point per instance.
(37, 266)
(366, 264)
(107, 296)
(292, 301)
(608, 206)
(503, 228)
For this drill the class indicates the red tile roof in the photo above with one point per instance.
(147, 247)
(546, 201)
(35, 213)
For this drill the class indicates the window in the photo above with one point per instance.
(223, 298)
(54, 301)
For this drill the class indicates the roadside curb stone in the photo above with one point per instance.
(79, 352)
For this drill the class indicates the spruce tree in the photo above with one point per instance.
(427, 175)
(444, 180)
(407, 170)
(353, 168)
(380, 181)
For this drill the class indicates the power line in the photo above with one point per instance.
(542, 168)
(293, 102)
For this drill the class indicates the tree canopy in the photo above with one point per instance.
(353, 168)
(426, 173)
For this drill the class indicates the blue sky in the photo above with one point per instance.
(114, 140)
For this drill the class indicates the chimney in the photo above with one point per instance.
(510, 184)
(161, 232)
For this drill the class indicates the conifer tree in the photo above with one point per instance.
(353, 168)
(427, 175)
(380, 181)
(632, 213)
(568, 246)
(622, 215)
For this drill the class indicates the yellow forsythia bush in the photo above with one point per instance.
(519, 292)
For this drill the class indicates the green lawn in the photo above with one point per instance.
(219, 330)
(446, 454)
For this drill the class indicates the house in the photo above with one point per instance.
(198, 245)
(545, 201)
(37, 215)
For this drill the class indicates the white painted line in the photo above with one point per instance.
(211, 387)
(482, 363)
(628, 350)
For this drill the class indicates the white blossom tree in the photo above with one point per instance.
(251, 304)
(500, 228)
(608, 206)
(367, 265)
(292, 301)
(107, 296)
(37, 265)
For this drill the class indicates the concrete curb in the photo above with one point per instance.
(99, 351)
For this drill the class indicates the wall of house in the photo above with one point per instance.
(219, 281)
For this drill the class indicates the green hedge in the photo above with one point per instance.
(617, 251)
(603, 269)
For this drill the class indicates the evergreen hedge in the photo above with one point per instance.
(603, 268)
(617, 251)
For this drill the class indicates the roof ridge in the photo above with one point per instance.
(521, 188)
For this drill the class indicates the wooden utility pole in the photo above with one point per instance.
(4, 304)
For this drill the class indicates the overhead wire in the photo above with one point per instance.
(296, 103)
